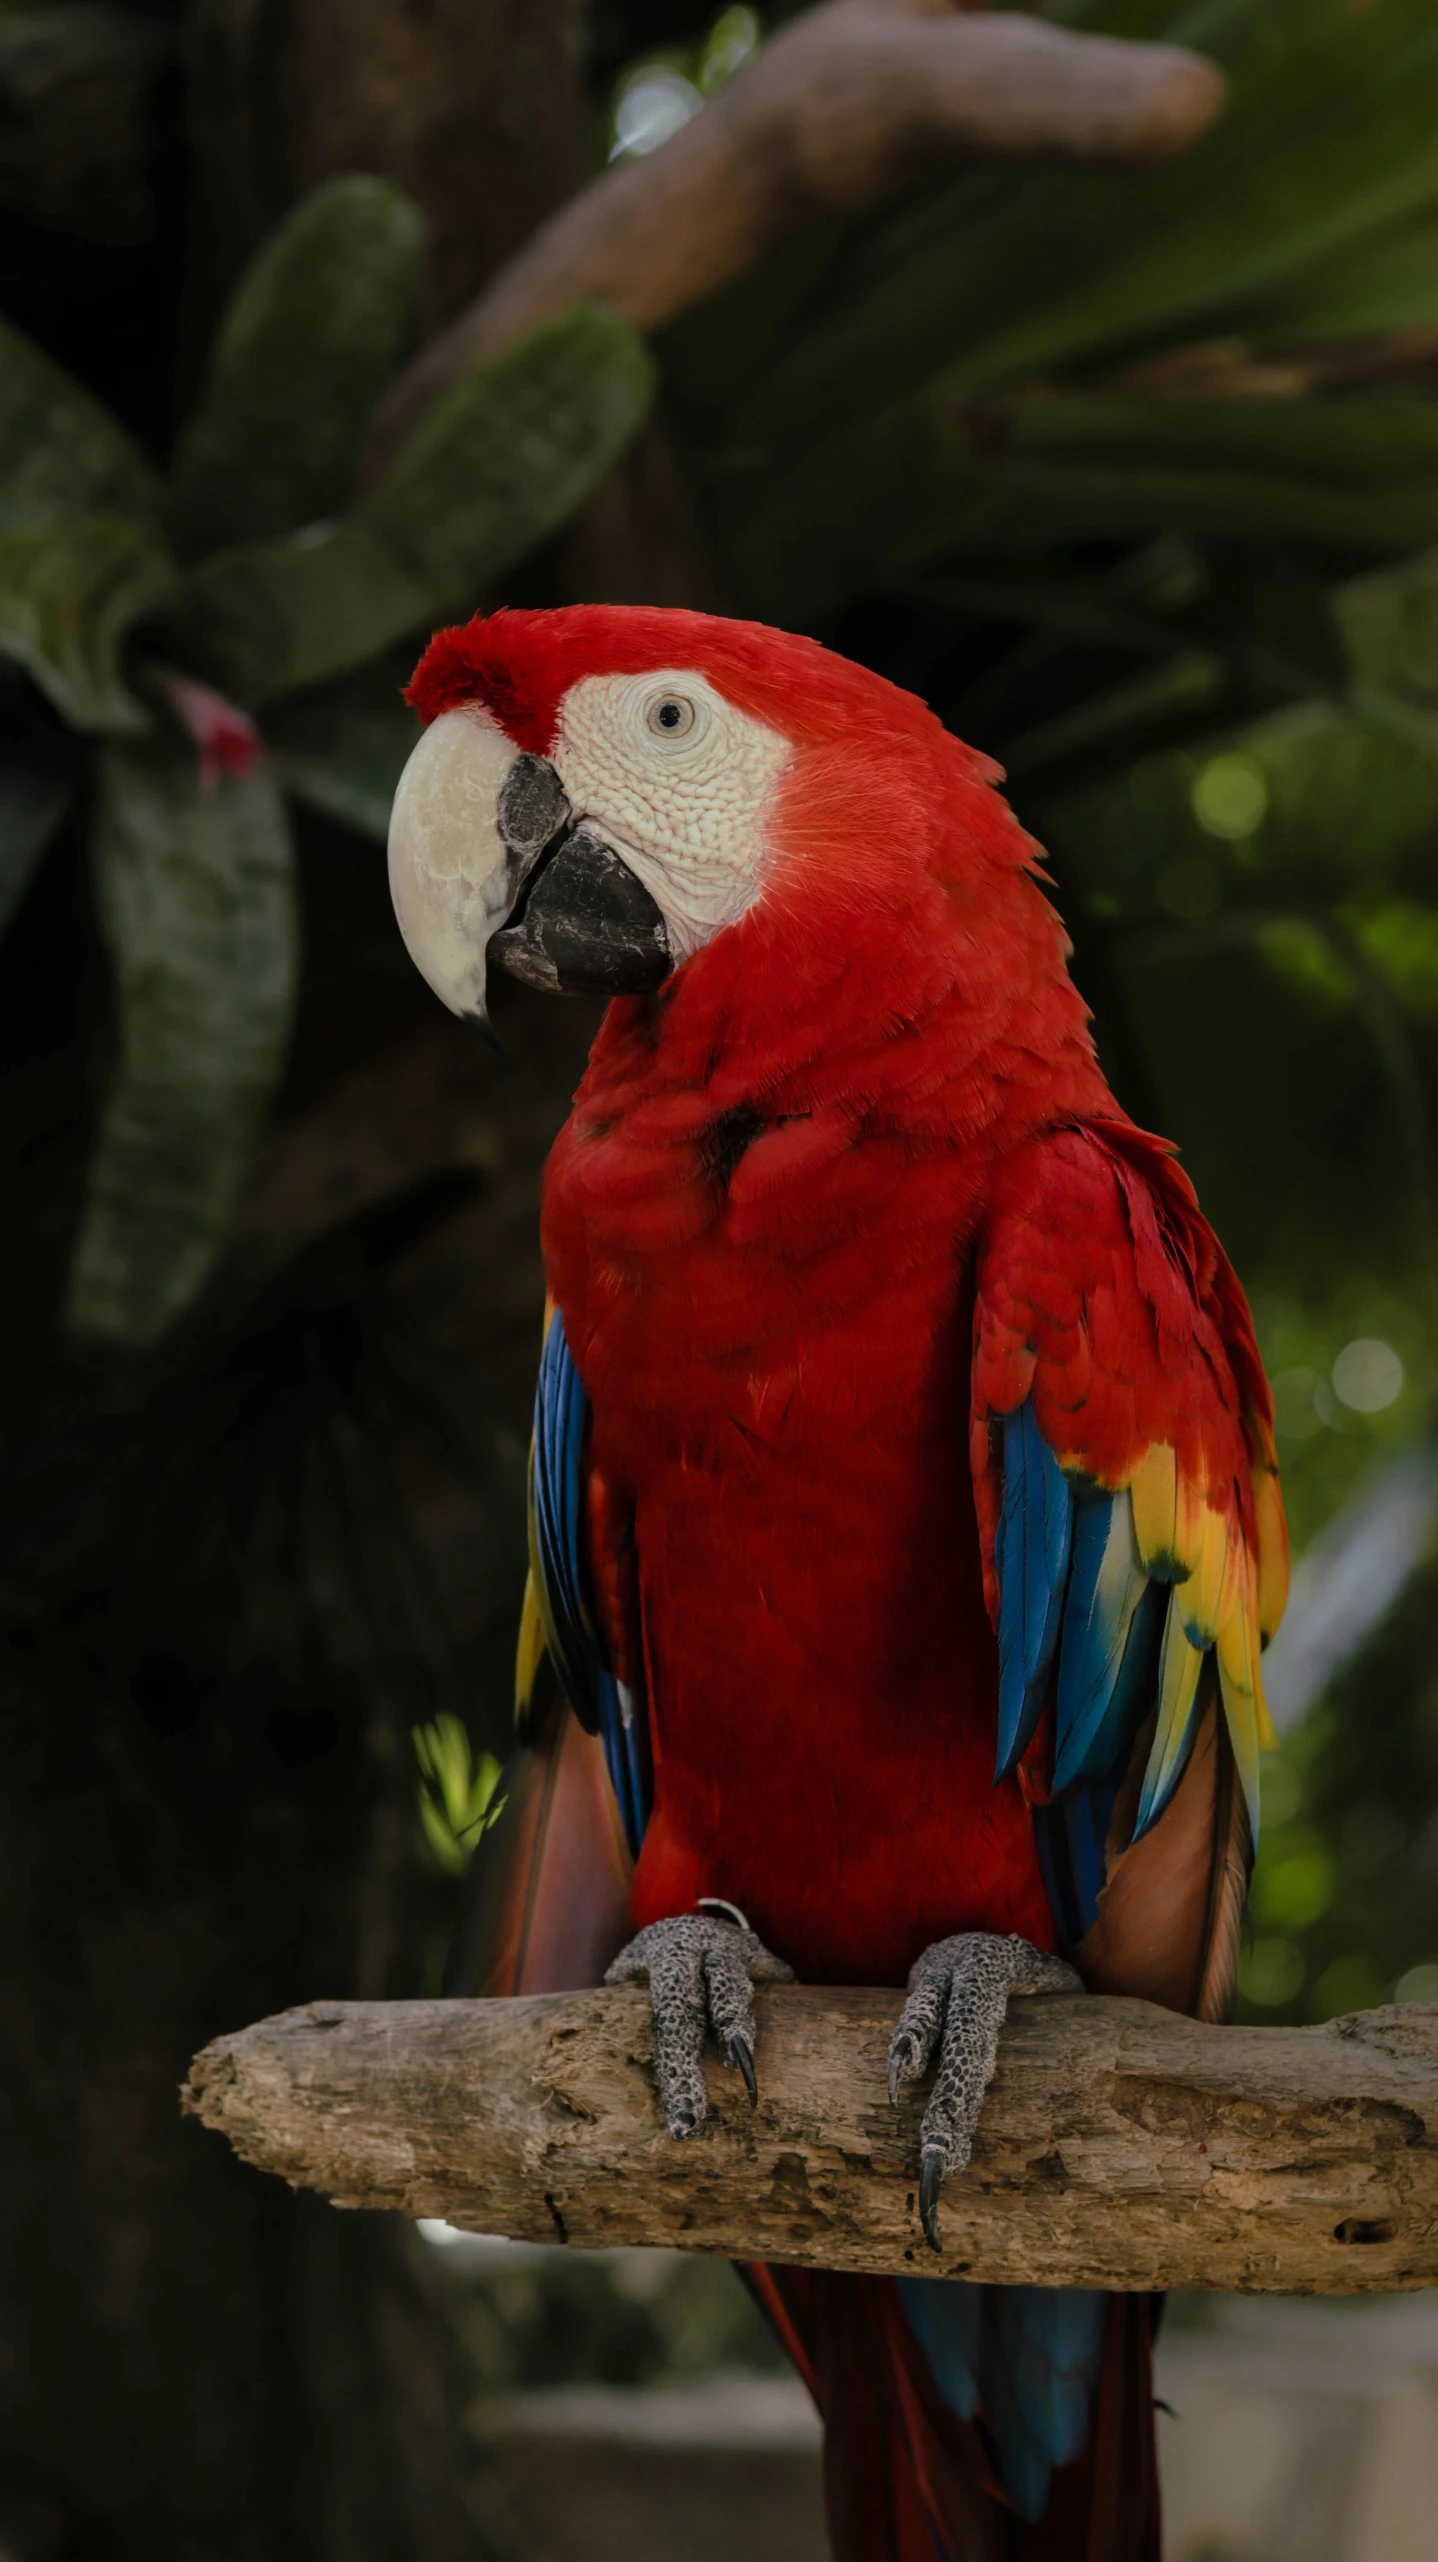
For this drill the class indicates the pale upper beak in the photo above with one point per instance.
(483, 849)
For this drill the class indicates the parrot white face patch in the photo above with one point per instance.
(679, 783)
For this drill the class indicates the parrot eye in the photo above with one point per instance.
(670, 715)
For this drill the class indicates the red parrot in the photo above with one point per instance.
(905, 1522)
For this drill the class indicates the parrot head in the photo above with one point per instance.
(594, 796)
(602, 792)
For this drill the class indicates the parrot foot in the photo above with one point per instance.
(958, 1993)
(699, 1972)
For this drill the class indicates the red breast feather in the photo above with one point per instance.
(759, 1225)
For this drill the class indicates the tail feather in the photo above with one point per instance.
(908, 2477)
(1232, 1861)
(1105, 2507)
(905, 2480)
(547, 1897)
(1025, 2359)
(1169, 1912)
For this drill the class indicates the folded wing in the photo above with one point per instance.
(1134, 1545)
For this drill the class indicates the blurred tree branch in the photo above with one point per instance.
(854, 100)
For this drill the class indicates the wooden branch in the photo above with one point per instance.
(853, 100)
(1120, 2146)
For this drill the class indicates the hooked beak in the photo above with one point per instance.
(484, 855)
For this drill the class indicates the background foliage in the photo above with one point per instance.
(1135, 477)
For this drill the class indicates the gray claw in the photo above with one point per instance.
(741, 2058)
(931, 2180)
(905, 2064)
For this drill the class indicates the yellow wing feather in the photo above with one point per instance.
(530, 1651)
(535, 1634)
(1153, 1491)
(1272, 1530)
(1222, 1598)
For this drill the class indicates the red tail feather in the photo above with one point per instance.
(907, 2481)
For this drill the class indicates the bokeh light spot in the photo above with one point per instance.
(1229, 796)
(1367, 1375)
(1190, 889)
(1350, 1983)
(1295, 1890)
(651, 110)
(1271, 1972)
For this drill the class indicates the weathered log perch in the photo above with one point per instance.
(1120, 2145)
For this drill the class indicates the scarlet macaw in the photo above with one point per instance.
(905, 1519)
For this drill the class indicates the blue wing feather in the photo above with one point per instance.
(1032, 1559)
(1080, 1621)
(1106, 1585)
(599, 1700)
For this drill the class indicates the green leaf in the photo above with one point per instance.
(198, 908)
(1188, 682)
(937, 473)
(1389, 623)
(456, 1791)
(1327, 138)
(508, 455)
(305, 349)
(68, 595)
(274, 618)
(61, 453)
(1400, 938)
(1387, 283)
(502, 460)
(885, 494)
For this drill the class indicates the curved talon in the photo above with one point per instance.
(904, 2066)
(931, 2180)
(741, 2058)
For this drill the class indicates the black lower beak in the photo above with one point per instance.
(584, 925)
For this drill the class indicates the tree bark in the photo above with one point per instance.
(473, 105)
(1120, 2146)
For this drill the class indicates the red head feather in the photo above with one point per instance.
(521, 664)
(901, 874)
